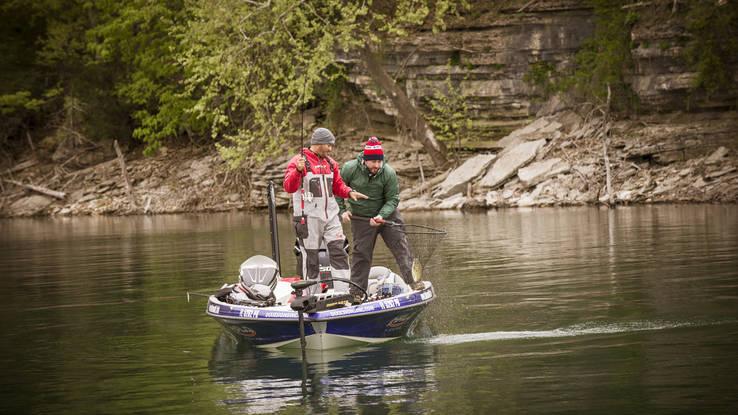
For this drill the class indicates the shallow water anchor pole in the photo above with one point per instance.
(301, 321)
(299, 304)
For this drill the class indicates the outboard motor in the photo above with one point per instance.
(258, 277)
(259, 269)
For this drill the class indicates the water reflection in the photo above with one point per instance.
(571, 310)
(260, 381)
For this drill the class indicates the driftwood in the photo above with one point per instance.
(636, 5)
(39, 189)
(528, 4)
(22, 166)
(646, 151)
(124, 173)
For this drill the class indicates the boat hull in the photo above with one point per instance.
(368, 323)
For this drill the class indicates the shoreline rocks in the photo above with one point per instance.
(552, 161)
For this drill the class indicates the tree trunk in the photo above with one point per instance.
(409, 116)
(124, 173)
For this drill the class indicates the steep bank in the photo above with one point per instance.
(523, 151)
(555, 160)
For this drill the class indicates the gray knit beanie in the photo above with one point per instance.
(322, 136)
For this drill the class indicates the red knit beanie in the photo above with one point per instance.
(373, 149)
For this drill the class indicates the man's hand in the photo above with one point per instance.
(376, 221)
(300, 164)
(356, 195)
(346, 217)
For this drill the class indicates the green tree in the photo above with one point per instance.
(713, 48)
(141, 39)
(604, 61)
(254, 63)
(449, 116)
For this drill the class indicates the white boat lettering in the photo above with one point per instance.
(277, 314)
(343, 312)
(391, 303)
(247, 313)
(426, 295)
(214, 308)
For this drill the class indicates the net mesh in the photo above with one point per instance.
(423, 241)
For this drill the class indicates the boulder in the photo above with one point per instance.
(456, 201)
(518, 135)
(507, 165)
(418, 203)
(29, 206)
(717, 156)
(493, 199)
(542, 170)
(459, 178)
(538, 129)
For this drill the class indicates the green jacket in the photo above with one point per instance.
(382, 189)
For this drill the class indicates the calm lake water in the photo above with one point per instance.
(539, 311)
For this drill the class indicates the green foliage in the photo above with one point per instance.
(253, 65)
(449, 116)
(605, 60)
(543, 76)
(713, 49)
(141, 36)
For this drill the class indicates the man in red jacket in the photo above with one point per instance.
(313, 178)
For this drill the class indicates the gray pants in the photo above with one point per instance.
(365, 237)
(330, 231)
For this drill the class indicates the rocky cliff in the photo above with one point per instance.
(523, 149)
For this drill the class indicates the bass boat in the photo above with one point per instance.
(271, 311)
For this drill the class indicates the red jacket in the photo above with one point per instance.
(317, 166)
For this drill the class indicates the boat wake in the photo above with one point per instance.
(571, 331)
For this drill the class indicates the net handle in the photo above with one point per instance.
(424, 229)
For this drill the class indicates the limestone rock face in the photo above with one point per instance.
(488, 54)
(509, 163)
(542, 170)
(458, 179)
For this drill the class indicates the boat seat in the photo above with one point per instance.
(379, 275)
(378, 271)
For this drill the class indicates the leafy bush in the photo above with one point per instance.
(449, 112)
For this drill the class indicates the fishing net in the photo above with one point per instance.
(423, 241)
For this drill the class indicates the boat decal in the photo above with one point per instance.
(426, 295)
(399, 321)
(215, 309)
(246, 331)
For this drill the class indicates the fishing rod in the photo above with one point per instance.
(302, 151)
(300, 285)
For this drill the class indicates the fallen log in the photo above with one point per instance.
(39, 189)
(22, 166)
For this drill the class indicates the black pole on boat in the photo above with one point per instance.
(273, 231)
(301, 304)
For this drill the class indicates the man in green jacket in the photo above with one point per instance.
(369, 174)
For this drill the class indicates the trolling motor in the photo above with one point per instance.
(312, 303)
